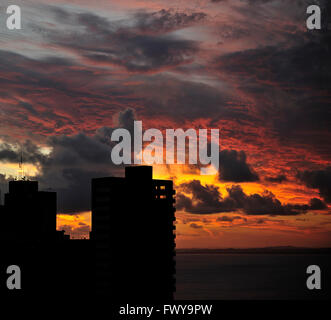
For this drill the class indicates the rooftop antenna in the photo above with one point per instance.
(20, 166)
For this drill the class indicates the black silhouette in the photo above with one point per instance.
(29, 214)
(133, 232)
(129, 256)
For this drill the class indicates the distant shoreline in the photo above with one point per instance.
(266, 250)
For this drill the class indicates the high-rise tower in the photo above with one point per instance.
(133, 231)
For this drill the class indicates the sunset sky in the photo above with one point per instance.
(79, 69)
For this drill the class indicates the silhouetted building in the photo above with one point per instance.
(29, 213)
(133, 231)
(49, 261)
(130, 255)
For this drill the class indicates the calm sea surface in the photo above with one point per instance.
(250, 276)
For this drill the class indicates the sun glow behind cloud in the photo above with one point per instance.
(245, 67)
(12, 170)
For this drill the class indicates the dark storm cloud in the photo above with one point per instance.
(32, 71)
(119, 43)
(185, 101)
(233, 167)
(60, 93)
(29, 151)
(23, 75)
(75, 196)
(317, 204)
(69, 90)
(7, 154)
(75, 160)
(126, 119)
(289, 86)
(66, 101)
(71, 165)
(306, 64)
(318, 179)
(207, 199)
(83, 149)
(144, 53)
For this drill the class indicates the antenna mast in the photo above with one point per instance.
(20, 166)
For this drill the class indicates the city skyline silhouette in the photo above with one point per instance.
(137, 265)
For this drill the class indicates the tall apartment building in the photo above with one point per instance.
(133, 232)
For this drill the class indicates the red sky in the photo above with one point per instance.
(250, 68)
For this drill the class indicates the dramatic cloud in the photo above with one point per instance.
(54, 96)
(28, 151)
(187, 102)
(196, 198)
(247, 67)
(318, 179)
(75, 160)
(233, 167)
(205, 199)
(119, 43)
(288, 86)
(317, 204)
